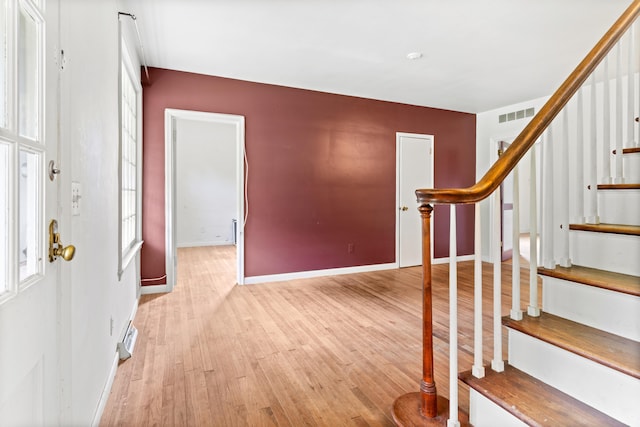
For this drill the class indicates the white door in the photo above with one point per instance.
(29, 379)
(414, 166)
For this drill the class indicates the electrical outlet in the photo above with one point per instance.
(350, 248)
(76, 191)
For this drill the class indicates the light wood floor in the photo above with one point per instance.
(330, 351)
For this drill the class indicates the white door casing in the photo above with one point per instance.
(29, 376)
(506, 206)
(171, 116)
(414, 169)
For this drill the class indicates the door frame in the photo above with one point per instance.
(494, 146)
(399, 135)
(171, 116)
(505, 254)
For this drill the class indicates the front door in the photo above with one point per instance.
(414, 171)
(29, 379)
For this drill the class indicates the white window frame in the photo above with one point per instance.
(127, 71)
(11, 138)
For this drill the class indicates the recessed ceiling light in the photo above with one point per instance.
(414, 55)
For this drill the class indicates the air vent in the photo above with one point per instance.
(516, 115)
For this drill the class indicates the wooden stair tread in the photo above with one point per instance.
(616, 352)
(618, 282)
(619, 186)
(534, 402)
(632, 230)
(629, 150)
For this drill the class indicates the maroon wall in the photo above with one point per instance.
(321, 171)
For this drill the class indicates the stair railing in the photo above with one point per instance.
(555, 125)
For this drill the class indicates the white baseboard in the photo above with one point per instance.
(106, 391)
(154, 289)
(199, 244)
(445, 260)
(317, 273)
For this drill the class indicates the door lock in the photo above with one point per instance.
(53, 171)
(404, 208)
(57, 249)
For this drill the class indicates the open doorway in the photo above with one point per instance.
(521, 189)
(205, 182)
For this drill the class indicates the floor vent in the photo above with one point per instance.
(125, 347)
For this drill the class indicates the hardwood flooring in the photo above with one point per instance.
(328, 351)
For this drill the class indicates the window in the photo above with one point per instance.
(130, 154)
(22, 148)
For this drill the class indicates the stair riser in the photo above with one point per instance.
(607, 310)
(631, 167)
(605, 389)
(605, 251)
(484, 413)
(619, 206)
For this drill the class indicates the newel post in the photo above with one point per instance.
(429, 407)
(424, 408)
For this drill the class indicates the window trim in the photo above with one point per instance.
(128, 254)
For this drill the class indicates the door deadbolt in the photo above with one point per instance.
(57, 249)
(53, 171)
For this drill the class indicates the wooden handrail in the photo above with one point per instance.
(523, 142)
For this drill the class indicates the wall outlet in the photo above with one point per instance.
(350, 248)
(76, 191)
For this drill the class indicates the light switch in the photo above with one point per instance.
(75, 198)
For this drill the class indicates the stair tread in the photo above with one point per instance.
(534, 402)
(610, 280)
(616, 352)
(629, 186)
(633, 230)
(631, 150)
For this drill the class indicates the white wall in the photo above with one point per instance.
(488, 133)
(95, 305)
(206, 195)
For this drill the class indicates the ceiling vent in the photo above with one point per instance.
(516, 115)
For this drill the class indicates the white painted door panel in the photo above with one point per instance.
(415, 170)
(29, 380)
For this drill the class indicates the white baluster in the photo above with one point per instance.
(592, 187)
(516, 312)
(546, 236)
(630, 81)
(453, 321)
(497, 364)
(607, 177)
(578, 206)
(478, 369)
(563, 186)
(619, 179)
(533, 309)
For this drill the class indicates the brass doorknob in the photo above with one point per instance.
(56, 248)
(404, 208)
(66, 253)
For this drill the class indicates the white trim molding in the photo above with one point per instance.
(318, 273)
(171, 116)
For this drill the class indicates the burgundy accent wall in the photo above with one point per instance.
(321, 171)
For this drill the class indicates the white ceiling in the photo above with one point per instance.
(477, 55)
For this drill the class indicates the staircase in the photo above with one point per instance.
(574, 359)
(578, 363)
